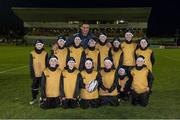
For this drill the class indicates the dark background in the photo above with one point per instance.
(164, 18)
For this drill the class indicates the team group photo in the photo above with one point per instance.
(90, 72)
(93, 59)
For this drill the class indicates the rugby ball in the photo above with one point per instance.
(92, 85)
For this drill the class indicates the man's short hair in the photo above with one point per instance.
(83, 22)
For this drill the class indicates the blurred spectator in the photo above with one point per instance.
(112, 32)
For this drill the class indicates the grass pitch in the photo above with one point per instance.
(15, 90)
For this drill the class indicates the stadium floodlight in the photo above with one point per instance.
(117, 21)
(121, 21)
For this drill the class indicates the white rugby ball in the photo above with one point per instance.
(92, 85)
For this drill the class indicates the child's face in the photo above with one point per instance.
(116, 43)
(121, 71)
(143, 43)
(108, 64)
(77, 41)
(71, 64)
(53, 62)
(88, 64)
(61, 42)
(140, 62)
(39, 46)
(91, 43)
(128, 36)
(102, 38)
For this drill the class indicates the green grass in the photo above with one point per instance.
(15, 90)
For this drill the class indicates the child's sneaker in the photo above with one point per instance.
(32, 101)
(119, 100)
(40, 99)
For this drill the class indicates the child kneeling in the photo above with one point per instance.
(141, 83)
(123, 84)
(89, 84)
(70, 85)
(108, 85)
(50, 85)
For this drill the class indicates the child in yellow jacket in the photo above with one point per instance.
(108, 85)
(70, 81)
(50, 85)
(141, 83)
(37, 62)
(89, 99)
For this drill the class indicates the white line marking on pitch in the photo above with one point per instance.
(13, 69)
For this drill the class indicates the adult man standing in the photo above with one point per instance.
(84, 34)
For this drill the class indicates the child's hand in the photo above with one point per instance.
(147, 89)
(63, 98)
(54, 47)
(109, 45)
(106, 91)
(121, 89)
(44, 99)
(74, 98)
(87, 87)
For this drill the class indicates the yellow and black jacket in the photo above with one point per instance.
(104, 52)
(77, 52)
(38, 62)
(94, 55)
(62, 55)
(128, 49)
(109, 82)
(116, 55)
(148, 55)
(88, 75)
(50, 82)
(125, 80)
(85, 39)
(141, 79)
(70, 82)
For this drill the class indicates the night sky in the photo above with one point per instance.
(164, 18)
(80, 3)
